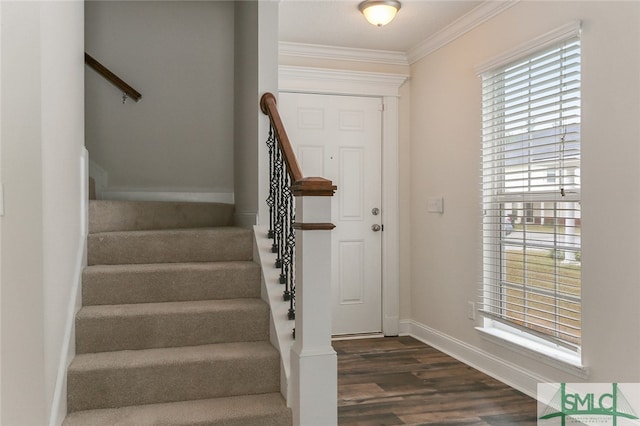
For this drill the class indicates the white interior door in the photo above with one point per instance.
(339, 138)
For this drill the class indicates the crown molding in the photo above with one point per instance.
(459, 27)
(317, 51)
(357, 83)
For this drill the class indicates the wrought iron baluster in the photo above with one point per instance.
(287, 252)
(271, 142)
(281, 219)
(291, 244)
(278, 172)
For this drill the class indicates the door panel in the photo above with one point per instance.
(351, 272)
(339, 137)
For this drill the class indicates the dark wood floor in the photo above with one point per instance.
(401, 381)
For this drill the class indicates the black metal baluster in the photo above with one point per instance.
(281, 220)
(279, 170)
(271, 142)
(286, 255)
(291, 244)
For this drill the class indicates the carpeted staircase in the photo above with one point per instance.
(172, 330)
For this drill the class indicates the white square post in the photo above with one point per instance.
(314, 369)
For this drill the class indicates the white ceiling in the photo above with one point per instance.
(340, 23)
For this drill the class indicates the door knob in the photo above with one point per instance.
(376, 227)
(375, 211)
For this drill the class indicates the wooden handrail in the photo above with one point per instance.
(112, 78)
(268, 107)
(302, 186)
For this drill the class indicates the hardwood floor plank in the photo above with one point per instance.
(370, 420)
(401, 381)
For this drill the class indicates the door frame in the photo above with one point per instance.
(297, 79)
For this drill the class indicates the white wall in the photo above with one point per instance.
(64, 191)
(22, 270)
(445, 161)
(180, 56)
(42, 143)
(2, 213)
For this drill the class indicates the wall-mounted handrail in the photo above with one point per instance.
(112, 78)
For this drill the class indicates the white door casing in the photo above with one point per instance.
(339, 138)
(386, 86)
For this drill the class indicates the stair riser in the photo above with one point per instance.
(121, 248)
(124, 386)
(282, 418)
(125, 331)
(106, 215)
(252, 410)
(169, 283)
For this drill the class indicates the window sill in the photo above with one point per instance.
(554, 357)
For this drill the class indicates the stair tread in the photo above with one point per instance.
(264, 410)
(144, 358)
(188, 307)
(166, 282)
(151, 376)
(203, 230)
(170, 246)
(103, 328)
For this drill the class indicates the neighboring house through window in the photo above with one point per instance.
(531, 175)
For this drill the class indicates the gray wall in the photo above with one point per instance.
(180, 56)
(246, 105)
(256, 67)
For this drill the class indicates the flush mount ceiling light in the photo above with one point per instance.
(379, 12)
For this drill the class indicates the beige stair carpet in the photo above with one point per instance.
(172, 330)
(111, 215)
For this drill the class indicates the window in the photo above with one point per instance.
(528, 213)
(531, 195)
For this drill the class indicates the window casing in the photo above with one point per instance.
(531, 195)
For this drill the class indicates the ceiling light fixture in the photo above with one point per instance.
(379, 12)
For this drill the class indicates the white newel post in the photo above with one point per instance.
(314, 369)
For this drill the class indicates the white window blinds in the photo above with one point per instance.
(531, 194)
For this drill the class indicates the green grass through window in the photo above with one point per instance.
(543, 292)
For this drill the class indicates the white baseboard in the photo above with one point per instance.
(281, 327)
(59, 404)
(245, 219)
(513, 375)
(196, 197)
(68, 351)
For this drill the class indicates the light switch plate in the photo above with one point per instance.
(435, 205)
(1, 199)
